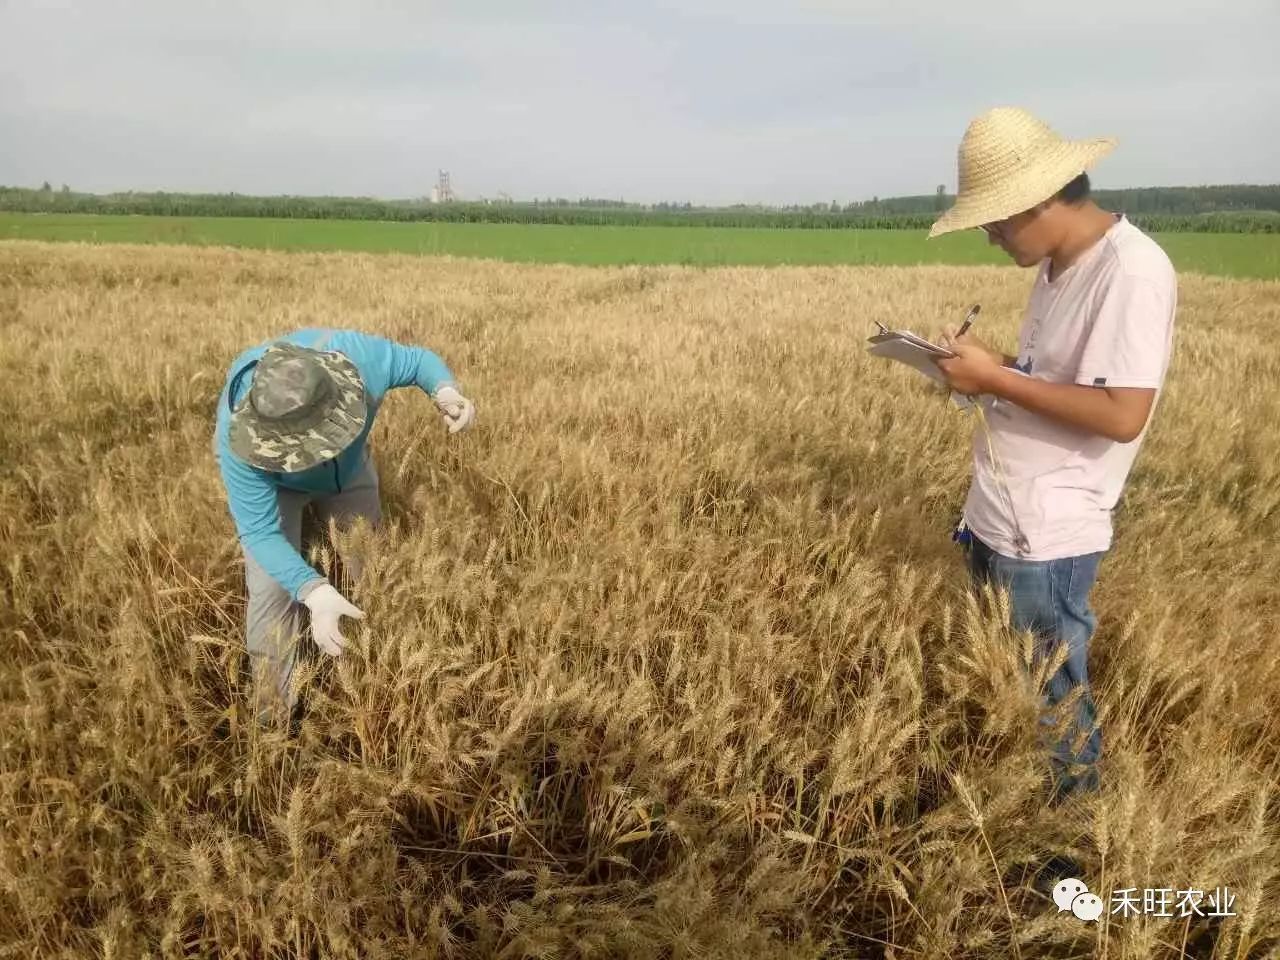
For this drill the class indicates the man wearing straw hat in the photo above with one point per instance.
(1062, 419)
(293, 419)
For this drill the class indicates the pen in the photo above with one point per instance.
(968, 321)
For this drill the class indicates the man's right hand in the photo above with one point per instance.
(327, 607)
(949, 340)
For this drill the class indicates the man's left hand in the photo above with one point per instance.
(972, 369)
(458, 412)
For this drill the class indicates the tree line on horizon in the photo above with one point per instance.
(1242, 208)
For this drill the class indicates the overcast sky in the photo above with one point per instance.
(720, 101)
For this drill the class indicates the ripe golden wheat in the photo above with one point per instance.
(669, 657)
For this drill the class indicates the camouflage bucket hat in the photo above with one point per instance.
(303, 407)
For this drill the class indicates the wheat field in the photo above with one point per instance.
(671, 656)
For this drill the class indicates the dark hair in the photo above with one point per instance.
(1077, 191)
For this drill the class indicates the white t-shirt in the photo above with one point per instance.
(1107, 320)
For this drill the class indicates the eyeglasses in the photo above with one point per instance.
(999, 229)
(994, 229)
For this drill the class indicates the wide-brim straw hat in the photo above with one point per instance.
(304, 407)
(1009, 161)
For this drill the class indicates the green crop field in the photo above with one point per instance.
(1237, 255)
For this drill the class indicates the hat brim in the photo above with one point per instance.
(1035, 184)
(268, 447)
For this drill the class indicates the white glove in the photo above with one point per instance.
(327, 605)
(457, 410)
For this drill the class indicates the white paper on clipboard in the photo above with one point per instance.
(917, 353)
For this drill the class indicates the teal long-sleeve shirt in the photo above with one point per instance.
(252, 492)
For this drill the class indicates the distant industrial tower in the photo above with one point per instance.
(442, 192)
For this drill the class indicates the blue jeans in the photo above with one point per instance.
(1051, 599)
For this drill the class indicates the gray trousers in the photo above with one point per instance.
(274, 623)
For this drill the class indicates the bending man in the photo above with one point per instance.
(293, 420)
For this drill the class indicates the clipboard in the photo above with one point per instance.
(917, 353)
